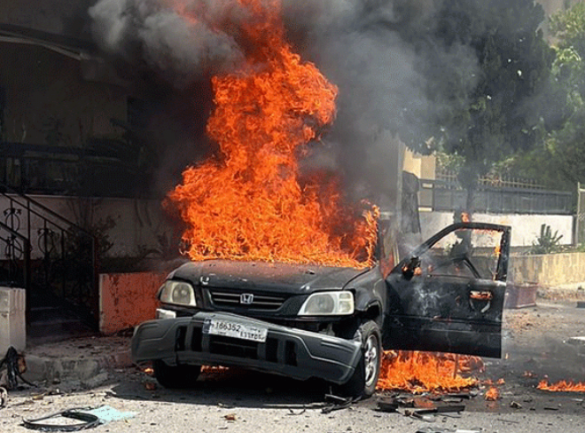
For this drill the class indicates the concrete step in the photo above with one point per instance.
(82, 361)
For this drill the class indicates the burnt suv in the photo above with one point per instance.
(306, 321)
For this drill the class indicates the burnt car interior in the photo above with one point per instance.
(448, 294)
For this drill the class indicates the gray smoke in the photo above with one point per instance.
(365, 47)
(368, 49)
(182, 50)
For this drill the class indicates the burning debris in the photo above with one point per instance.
(562, 386)
(492, 394)
(419, 372)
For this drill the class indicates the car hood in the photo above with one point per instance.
(281, 277)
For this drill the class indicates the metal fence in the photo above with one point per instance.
(580, 217)
(448, 195)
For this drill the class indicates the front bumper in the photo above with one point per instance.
(287, 351)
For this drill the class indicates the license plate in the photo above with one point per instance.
(227, 328)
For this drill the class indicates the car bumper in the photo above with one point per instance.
(287, 351)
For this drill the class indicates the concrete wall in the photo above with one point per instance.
(127, 300)
(525, 228)
(548, 270)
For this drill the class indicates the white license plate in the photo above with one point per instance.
(235, 330)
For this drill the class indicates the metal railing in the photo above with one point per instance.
(60, 256)
(441, 195)
(71, 171)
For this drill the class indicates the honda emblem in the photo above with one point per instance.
(246, 298)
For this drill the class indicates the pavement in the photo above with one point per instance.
(82, 362)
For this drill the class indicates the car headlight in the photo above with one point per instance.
(178, 293)
(328, 304)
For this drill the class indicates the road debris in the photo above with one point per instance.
(150, 386)
(85, 421)
(12, 366)
(515, 405)
(292, 412)
(445, 430)
(419, 407)
(387, 406)
(3, 397)
(429, 414)
(338, 403)
(230, 417)
(77, 419)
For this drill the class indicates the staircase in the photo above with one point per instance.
(55, 261)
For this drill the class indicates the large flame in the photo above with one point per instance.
(251, 202)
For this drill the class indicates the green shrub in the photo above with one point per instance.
(546, 242)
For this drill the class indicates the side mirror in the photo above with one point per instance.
(411, 268)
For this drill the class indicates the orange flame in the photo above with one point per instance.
(562, 386)
(492, 394)
(251, 202)
(419, 372)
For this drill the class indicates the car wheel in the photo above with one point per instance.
(178, 377)
(363, 382)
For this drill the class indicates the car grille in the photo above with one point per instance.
(236, 347)
(260, 301)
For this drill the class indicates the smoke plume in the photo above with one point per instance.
(370, 49)
(182, 50)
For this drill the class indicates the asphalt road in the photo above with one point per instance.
(241, 401)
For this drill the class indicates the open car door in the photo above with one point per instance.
(448, 295)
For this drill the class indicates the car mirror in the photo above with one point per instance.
(411, 268)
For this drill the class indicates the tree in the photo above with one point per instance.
(567, 144)
(498, 113)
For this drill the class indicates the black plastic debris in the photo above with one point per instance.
(65, 421)
(87, 420)
(337, 403)
(388, 406)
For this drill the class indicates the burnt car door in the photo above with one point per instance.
(448, 294)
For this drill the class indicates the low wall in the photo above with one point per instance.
(126, 300)
(548, 270)
(525, 228)
(12, 319)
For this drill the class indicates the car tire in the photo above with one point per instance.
(362, 383)
(176, 377)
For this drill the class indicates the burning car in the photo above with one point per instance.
(328, 322)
